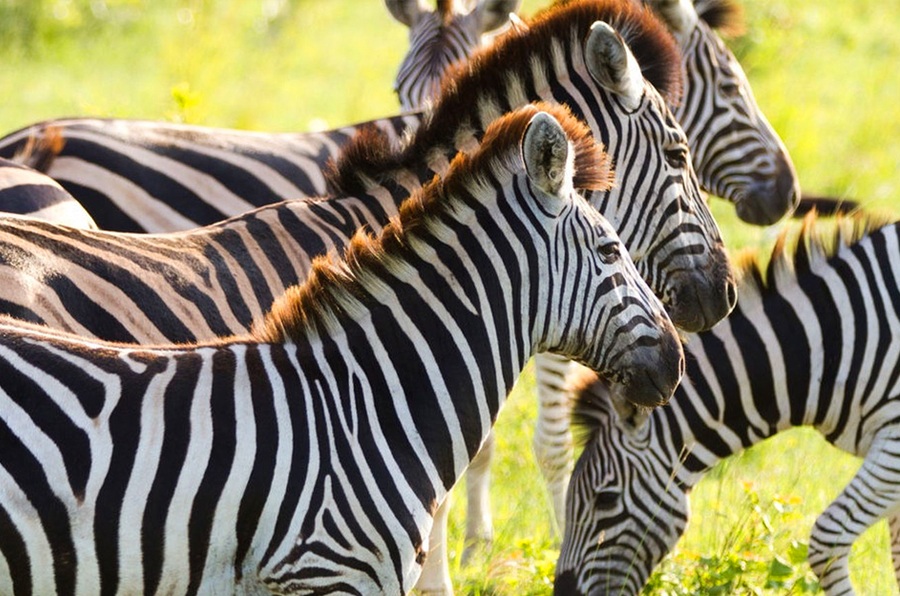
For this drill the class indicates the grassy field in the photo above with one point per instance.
(825, 73)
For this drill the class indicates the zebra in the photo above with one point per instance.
(306, 456)
(439, 38)
(29, 193)
(738, 156)
(811, 342)
(147, 176)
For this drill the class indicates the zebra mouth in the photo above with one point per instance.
(641, 390)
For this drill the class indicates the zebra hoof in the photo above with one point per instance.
(475, 548)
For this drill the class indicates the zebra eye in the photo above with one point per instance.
(729, 89)
(609, 252)
(606, 499)
(677, 158)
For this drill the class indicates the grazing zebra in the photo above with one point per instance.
(27, 192)
(309, 455)
(812, 342)
(439, 38)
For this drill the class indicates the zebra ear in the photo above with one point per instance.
(406, 11)
(680, 16)
(545, 150)
(631, 417)
(496, 13)
(612, 64)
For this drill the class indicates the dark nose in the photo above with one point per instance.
(566, 584)
(701, 298)
(769, 199)
(655, 370)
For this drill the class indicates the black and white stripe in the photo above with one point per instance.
(738, 154)
(29, 193)
(438, 38)
(147, 176)
(812, 342)
(308, 457)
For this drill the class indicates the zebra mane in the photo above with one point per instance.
(38, 153)
(485, 76)
(333, 283)
(723, 15)
(370, 157)
(588, 407)
(797, 252)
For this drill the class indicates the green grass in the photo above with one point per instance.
(825, 73)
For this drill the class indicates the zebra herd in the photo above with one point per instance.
(270, 364)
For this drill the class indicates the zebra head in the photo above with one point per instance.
(599, 311)
(738, 155)
(439, 38)
(624, 510)
(658, 210)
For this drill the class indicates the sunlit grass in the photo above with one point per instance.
(825, 73)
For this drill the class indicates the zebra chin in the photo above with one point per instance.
(700, 297)
(649, 374)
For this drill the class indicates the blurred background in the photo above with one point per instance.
(827, 75)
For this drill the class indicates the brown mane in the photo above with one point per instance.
(310, 306)
(489, 68)
(798, 251)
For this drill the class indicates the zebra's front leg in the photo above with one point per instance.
(435, 577)
(552, 441)
(479, 524)
(872, 494)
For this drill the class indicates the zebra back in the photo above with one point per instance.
(809, 343)
(310, 455)
(27, 192)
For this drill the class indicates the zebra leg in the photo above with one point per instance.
(552, 441)
(479, 525)
(872, 494)
(894, 525)
(435, 577)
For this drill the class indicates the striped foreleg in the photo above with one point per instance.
(552, 441)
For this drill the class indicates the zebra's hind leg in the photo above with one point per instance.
(894, 526)
(435, 577)
(872, 494)
(479, 524)
(552, 441)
